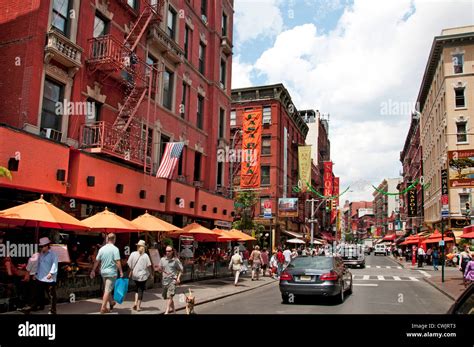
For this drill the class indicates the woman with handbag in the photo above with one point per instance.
(235, 265)
(140, 270)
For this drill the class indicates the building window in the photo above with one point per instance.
(152, 73)
(197, 166)
(266, 144)
(132, 4)
(233, 118)
(163, 141)
(221, 123)
(202, 57)
(267, 115)
(53, 94)
(204, 10)
(180, 162)
(187, 43)
(458, 62)
(100, 26)
(265, 175)
(171, 26)
(200, 112)
(61, 16)
(184, 101)
(461, 131)
(223, 71)
(220, 174)
(94, 109)
(224, 24)
(460, 100)
(168, 89)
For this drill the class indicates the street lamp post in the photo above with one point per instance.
(311, 219)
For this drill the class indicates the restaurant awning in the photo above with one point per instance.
(293, 234)
(389, 237)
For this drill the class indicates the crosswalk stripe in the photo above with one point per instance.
(378, 267)
(366, 284)
(426, 274)
(396, 278)
(414, 279)
(388, 267)
(366, 277)
(368, 266)
(381, 278)
(399, 267)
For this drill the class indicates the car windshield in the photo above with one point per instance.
(317, 263)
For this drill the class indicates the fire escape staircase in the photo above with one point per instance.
(112, 57)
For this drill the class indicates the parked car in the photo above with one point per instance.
(353, 256)
(380, 249)
(316, 276)
(465, 303)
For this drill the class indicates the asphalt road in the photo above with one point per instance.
(383, 287)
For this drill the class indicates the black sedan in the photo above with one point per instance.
(319, 275)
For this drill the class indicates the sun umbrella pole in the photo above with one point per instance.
(37, 232)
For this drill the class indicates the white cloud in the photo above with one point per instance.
(377, 53)
(257, 19)
(240, 73)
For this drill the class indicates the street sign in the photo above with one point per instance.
(267, 209)
(444, 213)
(441, 243)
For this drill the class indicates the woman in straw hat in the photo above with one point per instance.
(140, 270)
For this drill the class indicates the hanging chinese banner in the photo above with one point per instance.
(304, 165)
(251, 143)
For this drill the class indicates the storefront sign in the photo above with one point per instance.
(266, 207)
(459, 223)
(304, 166)
(444, 193)
(335, 191)
(328, 179)
(223, 224)
(461, 168)
(251, 143)
(288, 207)
(186, 247)
(412, 202)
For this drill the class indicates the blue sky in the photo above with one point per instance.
(349, 58)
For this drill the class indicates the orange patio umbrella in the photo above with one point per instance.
(148, 222)
(109, 222)
(40, 214)
(199, 232)
(226, 235)
(242, 236)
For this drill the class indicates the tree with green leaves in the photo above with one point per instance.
(245, 208)
(4, 172)
(461, 164)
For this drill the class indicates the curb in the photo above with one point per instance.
(398, 262)
(439, 289)
(223, 296)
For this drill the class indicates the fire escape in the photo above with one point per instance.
(128, 136)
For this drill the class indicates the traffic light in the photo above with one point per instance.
(328, 205)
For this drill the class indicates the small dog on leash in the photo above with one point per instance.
(190, 302)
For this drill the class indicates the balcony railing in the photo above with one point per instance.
(63, 50)
(165, 44)
(102, 137)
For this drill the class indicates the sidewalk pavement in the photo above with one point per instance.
(452, 286)
(153, 302)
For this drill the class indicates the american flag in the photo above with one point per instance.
(170, 159)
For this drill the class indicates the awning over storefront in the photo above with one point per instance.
(293, 234)
(389, 237)
(327, 236)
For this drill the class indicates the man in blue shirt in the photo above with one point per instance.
(45, 278)
(109, 258)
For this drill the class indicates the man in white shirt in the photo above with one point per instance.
(287, 255)
(421, 256)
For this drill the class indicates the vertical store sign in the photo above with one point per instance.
(412, 202)
(328, 178)
(304, 165)
(336, 201)
(252, 136)
(444, 193)
(285, 161)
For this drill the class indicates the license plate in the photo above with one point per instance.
(305, 278)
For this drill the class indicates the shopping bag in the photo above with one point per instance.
(120, 289)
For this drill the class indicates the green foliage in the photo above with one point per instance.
(4, 172)
(245, 206)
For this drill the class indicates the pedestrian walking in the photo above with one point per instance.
(235, 265)
(469, 273)
(280, 261)
(274, 265)
(428, 256)
(140, 271)
(28, 281)
(435, 257)
(45, 278)
(265, 261)
(256, 260)
(464, 259)
(421, 256)
(172, 270)
(109, 259)
(287, 255)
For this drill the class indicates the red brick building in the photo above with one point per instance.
(411, 159)
(360, 217)
(137, 74)
(283, 131)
